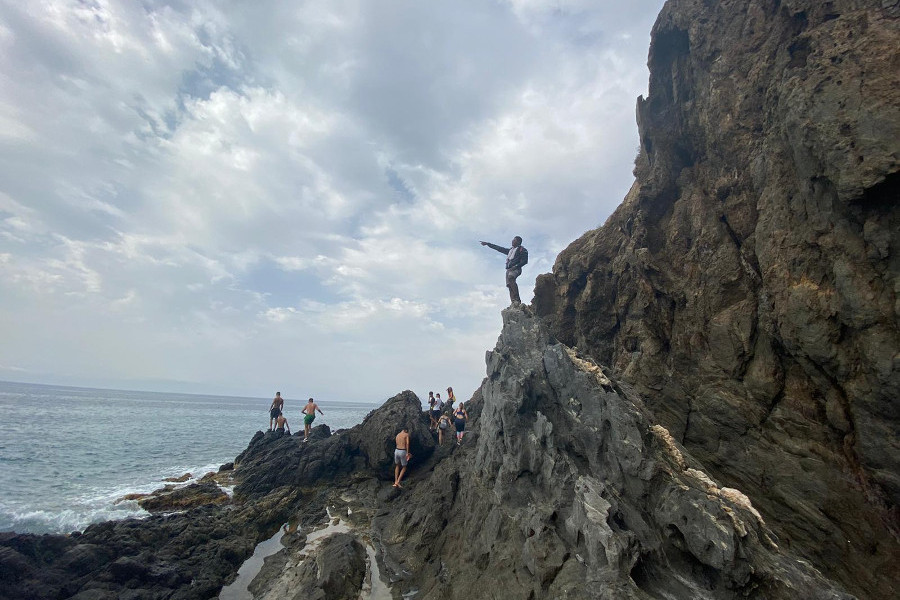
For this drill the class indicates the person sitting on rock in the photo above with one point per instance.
(443, 425)
(276, 408)
(281, 423)
(401, 456)
(460, 416)
(516, 258)
(309, 412)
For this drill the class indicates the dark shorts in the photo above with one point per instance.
(511, 275)
(308, 419)
(436, 414)
(274, 413)
(460, 424)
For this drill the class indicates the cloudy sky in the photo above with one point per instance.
(240, 197)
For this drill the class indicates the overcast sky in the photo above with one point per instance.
(239, 197)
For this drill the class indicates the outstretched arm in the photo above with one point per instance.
(496, 247)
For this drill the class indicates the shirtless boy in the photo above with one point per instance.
(281, 423)
(276, 408)
(309, 412)
(401, 456)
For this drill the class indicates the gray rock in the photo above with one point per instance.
(748, 285)
(573, 487)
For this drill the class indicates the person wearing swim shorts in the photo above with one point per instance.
(460, 416)
(401, 456)
(309, 412)
(276, 408)
(443, 425)
(281, 423)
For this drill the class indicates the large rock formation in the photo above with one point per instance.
(571, 490)
(748, 285)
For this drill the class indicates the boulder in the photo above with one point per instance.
(182, 498)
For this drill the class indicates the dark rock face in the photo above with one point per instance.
(187, 556)
(273, 460)
(572, 491)
(748, 285)
(196, 494)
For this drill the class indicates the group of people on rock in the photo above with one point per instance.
(276, 416)
(442, 414)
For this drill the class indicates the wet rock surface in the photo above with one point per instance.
(176, 499)
(748, 285)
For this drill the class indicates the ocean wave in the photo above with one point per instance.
(93, 504)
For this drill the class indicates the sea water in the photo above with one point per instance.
(67, 455)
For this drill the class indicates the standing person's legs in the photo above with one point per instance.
(400, 462)
(511, 275)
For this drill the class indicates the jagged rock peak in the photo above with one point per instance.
(572, 491)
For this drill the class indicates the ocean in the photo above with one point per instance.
(68, 454)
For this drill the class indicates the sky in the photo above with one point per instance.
(239, 198)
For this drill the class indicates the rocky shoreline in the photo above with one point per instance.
(565, 487)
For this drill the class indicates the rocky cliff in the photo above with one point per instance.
(748, 286)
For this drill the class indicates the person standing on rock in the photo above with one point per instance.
(276, 408)
(432, 409)
(516, 258)
(460, 416)
(401, 456)
(309, 415)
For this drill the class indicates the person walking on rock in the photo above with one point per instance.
(309, 415)
(401, 456)
(516, 258)
(460, 416)
(276, 408)
(443, 425)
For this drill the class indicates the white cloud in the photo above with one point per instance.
(235, 194)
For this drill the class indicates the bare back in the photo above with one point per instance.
(403, 441)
